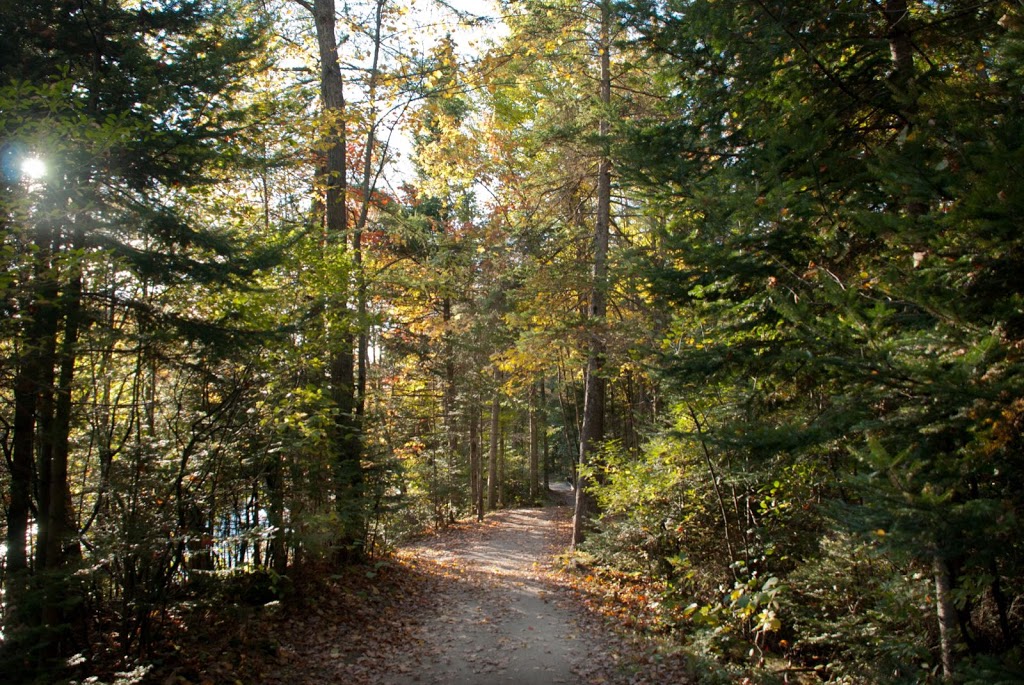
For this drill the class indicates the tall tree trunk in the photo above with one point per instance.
(570, 421)
(368, 187)
(502, 501)
(475, 465)
(546, 461)
(592, 432)
(448, 401)
(22, 457)
(901, 47)
(33, 379)
(275, 514)
(332, 96)
(58, 515)
(347, 430)
(492, 456)
(277, 553)
(45, 432)
(534, 445)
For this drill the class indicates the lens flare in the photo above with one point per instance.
(33, 168)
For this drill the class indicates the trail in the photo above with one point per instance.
(501, 618)
(477, 604)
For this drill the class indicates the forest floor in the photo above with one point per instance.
(483, 602)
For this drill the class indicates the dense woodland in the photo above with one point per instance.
(750, 272)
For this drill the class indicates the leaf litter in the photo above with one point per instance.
(476, 603)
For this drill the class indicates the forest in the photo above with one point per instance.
(287, 282)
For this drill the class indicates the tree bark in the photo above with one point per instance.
(368, 185)
(347, 471)
(502, 501)
(546, 461)
(476, 466)
(901, 47)
(592, 432)
(492, 457)
(33, 379)
(275, 514)
(332, 97)
(946, 614)
(534, 445)
(448, 403)
(58, 516)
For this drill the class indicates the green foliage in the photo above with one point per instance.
(130, 285)
(843, 330)
(860, 615)
(241, 588)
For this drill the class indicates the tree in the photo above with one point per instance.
(90, 90)
(342, 342)
(818, 167)
(592, 431)
(494, 433)
(554, 185)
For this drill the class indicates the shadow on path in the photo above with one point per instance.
(501, 618)
(477, 604)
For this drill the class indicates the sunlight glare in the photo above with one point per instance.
(33, 168)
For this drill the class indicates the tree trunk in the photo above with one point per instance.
(492, 457)
(45, 437)
(534, 445)
(448, 405)
(368, 186)
(56, 544)
(275, 514)
(570, 422)
(475, 487)
(945, 613)
(332, 97)
(476, 465)
(592, 432)
(502, 501)
(33, 380)
(347, 469)
(544, 436)
(901, 46)
(276, 557)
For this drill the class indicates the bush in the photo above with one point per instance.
(860, 617)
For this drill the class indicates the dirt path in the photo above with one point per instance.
(502, 618)
(476, 604)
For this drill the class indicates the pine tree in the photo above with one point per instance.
(129, 107)
(838, 279)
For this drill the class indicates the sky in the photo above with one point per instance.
(466, 38)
